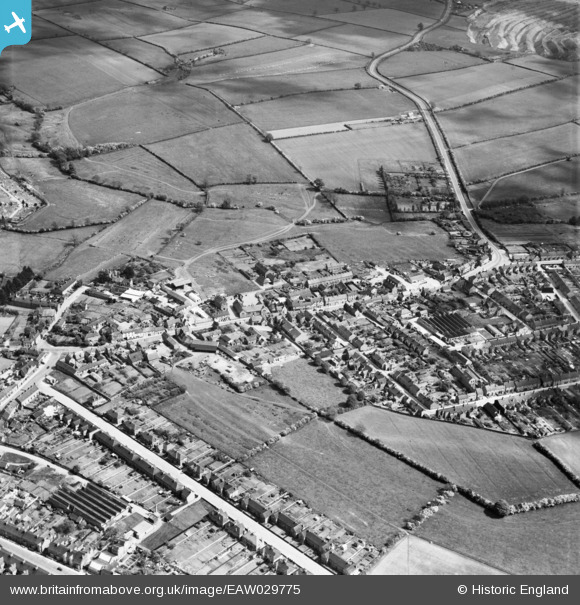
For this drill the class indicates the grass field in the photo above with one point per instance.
(229, 421)
(566, 446)
(336, 158)
(83, 70)
(72, 202)
(196, 10)
(561, 177)
(216, 228)
(15, 126)
(372, 207)
(141, 51)
(356, 242)
(138, 170)
(250, 90)
(418, 62)
(226, 155)
(387, 19)
(504, 116)
(561, 209)
(215, 276)
(347, 479)
(42, 29)
(107, 19)
(290, 61)
(537, 542)
(198, 37)
(414, 556)
(302, 7)
(482, 161)
(309, 385)
(493, 465)
(326, 107)
(357, 39)
(536, 233)
(471, 84)
(148, 114)
(548, 66)
(85, 262)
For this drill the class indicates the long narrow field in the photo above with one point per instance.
(326, 107)
(494, 465)
(343, 477)
(425, 62)
(153, 56)
(229, 421)
(567, 448)
(534, 233)
(84, 70)
(471, 84)
(148, 114)
(226, 155)
(537, 542)
(546, 105)
(548, 66)
(387, 19)
(483, 161)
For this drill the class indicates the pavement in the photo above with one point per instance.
(287, 549)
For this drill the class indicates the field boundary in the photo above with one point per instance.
(544, 449)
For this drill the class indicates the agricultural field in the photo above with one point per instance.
(214, 275)
(414, 556)
(141, 51)
(42, 29)
(503, 116)
(140, 171)
(216, 228)
(372, 207)
(108, 19)
(537, 542)
(291, 201)
(15, 126)
(494, 465)
(196, 10)
(314, 108)
(336, 157)
(201, 36)
(347, 479)
(418, 7)
(554, 179)
(560, 209)
(535, 233)
(548, 66)
(231, 422)
(357, 39)
(308, 384)
(471, 84)
(354, 243)
(226, 155)
(566, 447)
(387, 19)
(304, 58)
(148, 114)
(413, 63)
(85, 262)
(302, 7)
(74, 203)
(241, 91)
(84, 70)
(483, 161)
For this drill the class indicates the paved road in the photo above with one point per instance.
(498, 257)
(47, 565)
(256, 528)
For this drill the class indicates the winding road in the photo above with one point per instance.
(498, 256)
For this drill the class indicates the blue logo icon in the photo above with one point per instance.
(15, 22)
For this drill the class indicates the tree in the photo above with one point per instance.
(318, 183)
(502, 508)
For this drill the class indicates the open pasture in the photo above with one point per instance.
(148, 114)
(304, 58)
(535, 233)
(336, 158)
(85, 262)
(285, 25)
(107, 19)
(425, 62)
(214, 275)
(250, 90)
(141, 51)
(140, 171)
(354, 243)
(537, 542)
(546, 105)
(72, 202)
(554, 67)
(494, 465)
(560, 209)
(226, 155)
(233, 423)
(200, 36)
(196, 10)
(216, 228)
(387, 19)
(302, 7)
(418, 7)
(566, 447)
(471, 84)
(64, 71)
(356, 39)
(42, 29)
(347, 479)
(326, 107)
(372, 207)
(482, 161)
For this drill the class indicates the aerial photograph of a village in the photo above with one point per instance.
(290, 287)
